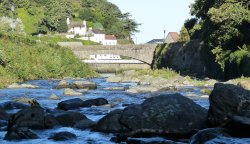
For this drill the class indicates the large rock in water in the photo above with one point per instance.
(70, 119)
(70, 104)
(32, 118)
(62, 136)
(205, 135)
(84, 85)
(228, 100)
(13, 105)
(20, 133)
(4, 115)
(77, 103)
(110, 123)
(167, 114)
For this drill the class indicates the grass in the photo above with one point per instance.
(54, 39)
(164, 73)
(23, 58)
(30, 21)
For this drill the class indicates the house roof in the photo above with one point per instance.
(110, 37)
(75, 24)
(155, 41)
(174, 35)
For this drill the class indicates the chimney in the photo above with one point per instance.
(68, 21)
(84, 23)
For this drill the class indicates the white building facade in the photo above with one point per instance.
(80, 29)
(76, 28)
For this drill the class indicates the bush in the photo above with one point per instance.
(27, 60)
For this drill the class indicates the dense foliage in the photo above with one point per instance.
(43, 16)
(22, 58)
(224, 28)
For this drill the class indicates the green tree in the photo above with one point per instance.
(225, 27)
(63, 27)
(55, 11)
(184, 36)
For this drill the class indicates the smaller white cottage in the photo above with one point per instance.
(76, 28)
(110, 40)
(96, 35)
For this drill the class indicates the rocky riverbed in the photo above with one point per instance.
(96, 111)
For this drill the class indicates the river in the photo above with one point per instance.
(117, 98)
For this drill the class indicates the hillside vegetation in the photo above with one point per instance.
(222, 29)
(49, 16)
(22, 58)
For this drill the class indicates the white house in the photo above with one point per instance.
(95, 35)
(110, 40)
(76, 28)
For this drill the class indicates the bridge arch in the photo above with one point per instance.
(144, 52)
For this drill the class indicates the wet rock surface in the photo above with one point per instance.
(20, 133)
(63, 136)
(78, 103)
(208, 134)
(35, 118)
(10, 105)
(227, 100)
(167, 114)
(70, 118)
(111, 123)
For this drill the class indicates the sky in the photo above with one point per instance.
(155, 16)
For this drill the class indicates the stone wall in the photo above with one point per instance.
(112, 68)
(183, 58)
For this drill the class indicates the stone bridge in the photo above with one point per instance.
(144, 52)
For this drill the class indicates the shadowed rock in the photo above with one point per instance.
(171, 115)
(20, 133)
(63, 136)
(208, 134)
(70, 119)
(110, 123)
(78, 103)
(227, 100)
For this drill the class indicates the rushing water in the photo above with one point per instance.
(117, 98)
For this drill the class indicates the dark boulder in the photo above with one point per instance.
(69, 118)
(171, 115)
(70, 104)
(227, 100)
(63, 136)
(78, 103)
(13, 105)
(111, 124)
(238, 126)
(32, 118)
(20, 133)
(84, 124)
(94, 102)
(208, 134)
(50, 121)
(4, 115)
